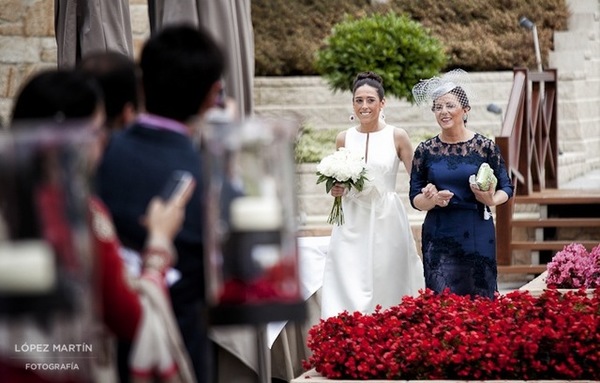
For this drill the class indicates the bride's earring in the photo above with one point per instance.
(352, 117)
(382, 116)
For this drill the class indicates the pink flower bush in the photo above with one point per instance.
(574, 268)
(446, 336)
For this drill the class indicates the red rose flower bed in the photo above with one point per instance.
(445, 336)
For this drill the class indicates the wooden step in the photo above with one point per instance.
(550, 245)
(521, 269)
(561, 197)
(557, 222)
(315, 231)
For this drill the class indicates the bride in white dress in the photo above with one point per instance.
(372, 258)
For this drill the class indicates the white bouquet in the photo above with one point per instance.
(342, 167)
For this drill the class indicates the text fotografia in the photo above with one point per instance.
(52, 366)
(45, 347)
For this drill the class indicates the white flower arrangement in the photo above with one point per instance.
(342, 167)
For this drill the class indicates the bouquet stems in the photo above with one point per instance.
(336, 216)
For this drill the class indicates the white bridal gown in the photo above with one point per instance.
(372, 258)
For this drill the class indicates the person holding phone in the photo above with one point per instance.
(181, 68)
(67, 99)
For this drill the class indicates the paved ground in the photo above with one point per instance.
(507, 287)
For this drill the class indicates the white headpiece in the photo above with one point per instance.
(427, 91)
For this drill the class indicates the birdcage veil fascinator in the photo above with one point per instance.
(425, 92)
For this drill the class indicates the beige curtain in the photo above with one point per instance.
(230, 23)
(83, 26)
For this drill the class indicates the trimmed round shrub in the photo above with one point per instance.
(397, 48)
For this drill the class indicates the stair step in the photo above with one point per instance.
(549, 245)
(521, 269)
(314, 231)
(557, 222)
(561, 197)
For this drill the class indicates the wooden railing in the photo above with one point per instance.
(529, 144)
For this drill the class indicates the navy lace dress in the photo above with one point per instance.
(458, 241)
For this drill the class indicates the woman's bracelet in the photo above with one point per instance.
(157, 258)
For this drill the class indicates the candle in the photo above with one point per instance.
(255, 214)
(26, 267)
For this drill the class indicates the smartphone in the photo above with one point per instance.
(179, 181)
(221, 96)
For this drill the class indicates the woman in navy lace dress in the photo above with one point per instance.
(458, 236)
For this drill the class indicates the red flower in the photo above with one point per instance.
(446, 336)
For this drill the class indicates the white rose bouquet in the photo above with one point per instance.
(342, 167)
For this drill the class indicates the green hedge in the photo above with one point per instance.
(399, 49)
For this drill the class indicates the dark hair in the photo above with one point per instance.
(460, 94)
(118, 77)
(57, 94)
(52, 96)
(371, 79)
(46, 101)
(179, 66)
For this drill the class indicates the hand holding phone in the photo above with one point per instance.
(177, 184)
(166, 212)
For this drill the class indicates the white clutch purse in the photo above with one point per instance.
(484, 178)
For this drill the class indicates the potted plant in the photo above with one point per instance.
(574, 267)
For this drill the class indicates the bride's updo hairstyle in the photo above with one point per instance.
(371, 79)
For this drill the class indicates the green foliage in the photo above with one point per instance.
(397, 48)
(314, 144)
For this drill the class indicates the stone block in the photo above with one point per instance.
(585, 87)
(570, 61)
(48, 50)
(568, 41)
(39, 19)
(11, 29)
(314, 377)
(21, 73)
(12, 11)
(140, 25)
(18, 50)
(5, 108)
(583, 22)
(584, 6)
(6, 78)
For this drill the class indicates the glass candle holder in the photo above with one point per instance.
(48, 287)
(251, 226)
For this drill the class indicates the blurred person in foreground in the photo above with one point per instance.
(458, 236)
(118, 77)
(68, 102)
(181, 67)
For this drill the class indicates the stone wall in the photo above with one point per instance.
(27, 44)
